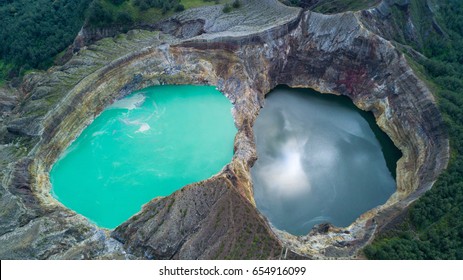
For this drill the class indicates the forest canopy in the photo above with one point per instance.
(33, 32)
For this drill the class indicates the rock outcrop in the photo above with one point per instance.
(245, 54)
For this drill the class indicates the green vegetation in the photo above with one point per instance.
(198, 3)
(105, 13)
(337, 6)
(332, 6)
(33, 32)
(126, 13)
(433, 228)
(5, 69)
(165, 5)
(421, 17)
(229, 7)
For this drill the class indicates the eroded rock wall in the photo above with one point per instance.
(245, 55)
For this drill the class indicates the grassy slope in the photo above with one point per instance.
(333, 6)
(337, 6)
(198, 3)
(150, 15)
(4, 69)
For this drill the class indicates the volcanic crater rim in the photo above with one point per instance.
(303, 55)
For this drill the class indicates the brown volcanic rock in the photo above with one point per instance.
(209, 219)
(266, 45)
(336, 54)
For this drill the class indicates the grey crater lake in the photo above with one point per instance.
(320, 160)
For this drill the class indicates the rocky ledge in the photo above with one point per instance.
(245, 54)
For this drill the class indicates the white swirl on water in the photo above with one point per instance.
(129, 103)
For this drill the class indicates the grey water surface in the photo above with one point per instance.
(319, 161)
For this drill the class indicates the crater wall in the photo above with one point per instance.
(245, 56)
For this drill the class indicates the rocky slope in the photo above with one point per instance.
(245, 54)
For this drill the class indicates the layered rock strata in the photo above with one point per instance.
(245, 54)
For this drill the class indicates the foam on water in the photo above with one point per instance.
(131, 102)
(143, 127)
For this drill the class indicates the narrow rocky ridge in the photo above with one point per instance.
(245, 59)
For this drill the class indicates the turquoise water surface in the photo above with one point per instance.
(146, 145)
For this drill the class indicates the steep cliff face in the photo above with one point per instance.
(245, 54)
(337, 54)
(409, 22)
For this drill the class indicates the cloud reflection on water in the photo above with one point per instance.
(317, 162)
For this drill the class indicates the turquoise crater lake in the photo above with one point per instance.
(149, 144)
